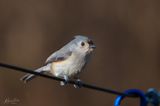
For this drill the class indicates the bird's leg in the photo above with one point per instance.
(78, 82)
(62, 83)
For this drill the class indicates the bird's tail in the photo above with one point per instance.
(29, 77)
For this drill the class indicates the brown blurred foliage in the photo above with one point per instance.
(126, 33)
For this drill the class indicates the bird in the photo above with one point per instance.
(67, 62)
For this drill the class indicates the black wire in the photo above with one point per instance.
(85, 85)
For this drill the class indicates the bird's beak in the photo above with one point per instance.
(92, 46)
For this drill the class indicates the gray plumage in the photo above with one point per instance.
(67, 61)
(65, 51)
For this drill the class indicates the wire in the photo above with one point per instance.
(82, 84)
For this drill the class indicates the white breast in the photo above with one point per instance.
(69, 67)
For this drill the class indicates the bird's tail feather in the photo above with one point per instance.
(29, 77)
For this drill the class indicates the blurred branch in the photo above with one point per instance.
(85, 85)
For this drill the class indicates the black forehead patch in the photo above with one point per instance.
(90, 42)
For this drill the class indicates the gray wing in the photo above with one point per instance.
(62, 54)
(58, 56)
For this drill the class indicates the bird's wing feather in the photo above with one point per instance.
(62, 54)
(58, 56)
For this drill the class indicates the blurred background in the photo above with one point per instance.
(126, 34)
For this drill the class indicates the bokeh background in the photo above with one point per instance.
(126, 33)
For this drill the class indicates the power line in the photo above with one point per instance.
(82, 84)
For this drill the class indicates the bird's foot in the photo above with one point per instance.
(63, 83)
(78, 83)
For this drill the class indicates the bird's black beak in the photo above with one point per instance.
(92, 46)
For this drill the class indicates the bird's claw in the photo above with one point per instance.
(78, 83)
(63, 83)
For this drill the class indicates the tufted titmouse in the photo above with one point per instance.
(68, 61)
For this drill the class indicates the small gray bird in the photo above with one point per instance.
(68, 61)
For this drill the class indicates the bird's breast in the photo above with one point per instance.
(70, 66)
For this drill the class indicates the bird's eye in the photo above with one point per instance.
(82, 43)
